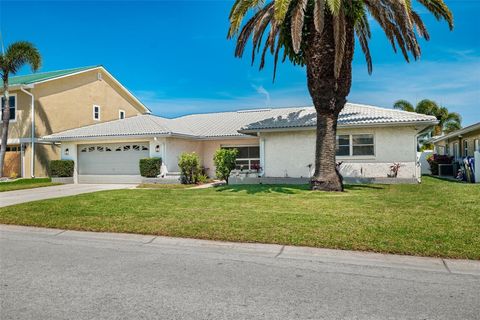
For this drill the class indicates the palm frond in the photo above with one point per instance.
(281, 8)
(439, 9)
(319, 15)
(403, 105)
(298, 17)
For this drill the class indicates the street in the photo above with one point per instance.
(56, 274)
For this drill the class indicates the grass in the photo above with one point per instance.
(436, 218)
(26, 184)
(163, 186)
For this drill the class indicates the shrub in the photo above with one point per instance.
(61, 168)
(189, 164)
(435, 159)
(150, 167)
(224, 160)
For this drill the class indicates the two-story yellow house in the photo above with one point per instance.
(60, 100)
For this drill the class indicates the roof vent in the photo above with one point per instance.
(254, 110)
(99, 76)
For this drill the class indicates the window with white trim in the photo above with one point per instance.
(355, 145)
(248, 157)
(12, 99)
(476, 145)
(121, 114)
(96, 112)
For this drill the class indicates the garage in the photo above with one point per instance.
(111, 163)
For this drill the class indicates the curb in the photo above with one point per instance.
(275, 251)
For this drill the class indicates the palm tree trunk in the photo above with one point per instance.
(5, 124)
(329, 95)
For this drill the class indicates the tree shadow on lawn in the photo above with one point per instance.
(263, 188)
(285, 189)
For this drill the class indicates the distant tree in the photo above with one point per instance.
(224, 160)
(448, 121)
(16, 56)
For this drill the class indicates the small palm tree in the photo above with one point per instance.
(447, 121)
(320, 34)
(15, 57)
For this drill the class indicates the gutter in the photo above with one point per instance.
(32, 159)
(254, 131)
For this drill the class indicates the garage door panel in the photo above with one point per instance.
(111, 159)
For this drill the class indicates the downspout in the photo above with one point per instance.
(32, 159)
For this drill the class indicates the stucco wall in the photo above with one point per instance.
(175, 147)
(290, 153)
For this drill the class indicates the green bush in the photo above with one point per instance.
(61, 168)
(150, 167)
(189, 164)
(224, 160)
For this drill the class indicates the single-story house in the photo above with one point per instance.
(278, 143)
(459, 144)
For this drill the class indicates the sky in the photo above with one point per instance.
(175, 57)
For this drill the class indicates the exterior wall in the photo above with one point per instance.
(43, 154)
(175, 147)
(470, 137)
(288, 154)
(63, 104)
(210, 146)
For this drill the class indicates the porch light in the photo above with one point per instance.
(157, 148)
(67, 152)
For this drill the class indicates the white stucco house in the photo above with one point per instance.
(278, 143)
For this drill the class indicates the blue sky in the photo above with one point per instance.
(175, 57)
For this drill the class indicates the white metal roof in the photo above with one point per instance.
(228, 124)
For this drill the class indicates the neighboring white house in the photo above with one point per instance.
(281, 142)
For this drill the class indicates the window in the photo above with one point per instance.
(12, 99)
(248, 157)
(96, 112)
(355, 145)
(476, 145)
(121, 114)
(465, 148)
(363, 145)
(343, 145)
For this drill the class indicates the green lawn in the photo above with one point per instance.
(26, 184)
(436, 218)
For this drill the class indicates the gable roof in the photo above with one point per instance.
(34, 78)
(237, 123)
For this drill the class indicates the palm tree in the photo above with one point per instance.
(15, 57)
(320, 34)
(447, 121)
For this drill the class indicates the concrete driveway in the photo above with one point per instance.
(57, 274)
(20, 196)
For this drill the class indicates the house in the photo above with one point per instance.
(459, 144)
(279, 143)
(59, 101)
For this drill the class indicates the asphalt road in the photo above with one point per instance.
(55, 274)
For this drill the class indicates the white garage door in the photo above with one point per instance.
(110, 160)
